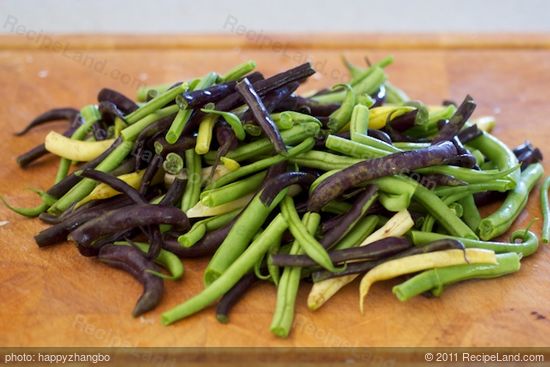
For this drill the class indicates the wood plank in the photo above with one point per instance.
(54, 297)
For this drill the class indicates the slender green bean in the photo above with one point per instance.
(131, 132)
(236, 270)
(232, 191)
(471, 214)
(264, 146)
(238, 71)
(437, 279)
(287, 289)
(262, 164)
(545, 208)
(360, 231)
(527, 247)
(339, 118)
(307, 242)
(193, 188)
(240, 235)
(200, 228)
(85, 186)
(156, 103)
(359, 121)
(500, 221)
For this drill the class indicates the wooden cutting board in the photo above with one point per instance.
(55, 297)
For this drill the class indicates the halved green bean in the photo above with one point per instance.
(236, 270)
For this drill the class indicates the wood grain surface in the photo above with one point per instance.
(55, 297)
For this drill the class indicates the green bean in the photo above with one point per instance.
(336, 207)
(500, 221)
(496, 185)
(242, 232)
(262, 164)
(545, 208)
(264, 146)
(353, 149)
(360, 231)
(288, 285)
(90, 115)
(27, 212)
(232, 119)
(435, 280)
(184, 113)
(410, 145)
(468, 175)
(181, 119)
(131, 132)
(252, 129)
(359, 121)
(232, 191)
(323, 160)
(200, 228)
(173, 164)
(431, 202)
(274, 270)
(144, 92)
(395, 202)
(193, 187)
(527, 247)
(471, 214)
(292, 118)
(166, 259)
(395, 95)
(307, 242)
(339, 118)
(238, 71)
(370, 81)
(236, 270)
(85, 186)
(375, 143)
(156, 103)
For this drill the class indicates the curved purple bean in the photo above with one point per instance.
(120, 219)
(123, 103)
(55, 114)
(131, 260)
